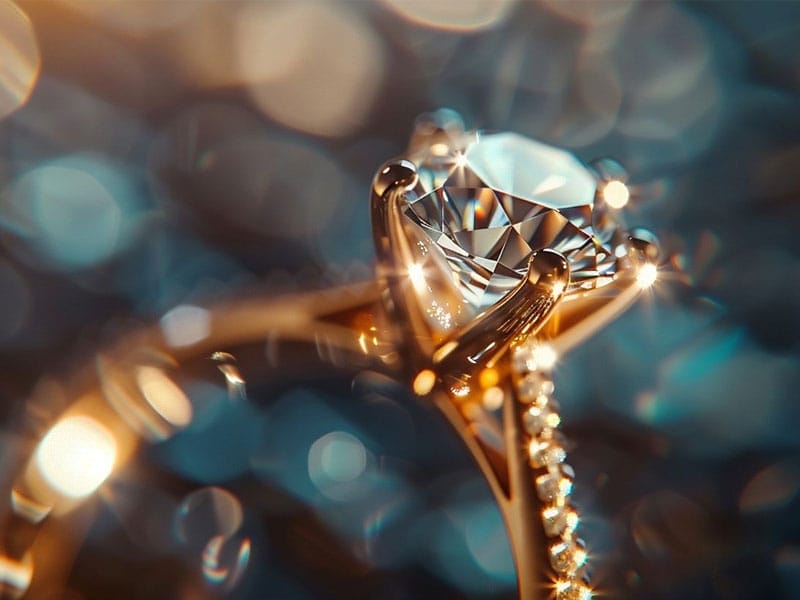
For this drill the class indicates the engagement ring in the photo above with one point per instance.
(497, 254)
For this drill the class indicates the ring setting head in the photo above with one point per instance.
(459, 223)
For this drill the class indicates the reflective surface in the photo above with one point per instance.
(193, 165)
(488, 201)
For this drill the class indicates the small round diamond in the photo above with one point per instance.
(535, 420)
(533, 385)
(523, 360)
(559, 520)
(554, 486)
(572, 590)
(567, 557)
(546, 454)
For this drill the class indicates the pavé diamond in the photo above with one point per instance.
(485, 203)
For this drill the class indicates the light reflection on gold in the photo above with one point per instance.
(615, 194)
(164, 395)
(472, 411)
(440, 315)
(15, 576)
(460, 389)
(76, 456)
(424, 382)
(27, 508)
(444, 350)
(647, 275)
(362, 342)
(227, 366)
(417, 276)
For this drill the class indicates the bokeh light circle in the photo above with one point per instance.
(311, 66)
(335, 462)
(71, 213)
(21, 62)
(164, 395)
(453, 15)
(76, 456)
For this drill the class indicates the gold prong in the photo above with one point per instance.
(643, 246)
(520, 313)
(393, 179)
(392, 174)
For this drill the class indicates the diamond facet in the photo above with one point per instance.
(559, 520)
(567, 557)
(555, 485)
(545, 454)
(572, 590)
(494, 199)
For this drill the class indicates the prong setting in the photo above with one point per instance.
(392, 174)
(520, 313)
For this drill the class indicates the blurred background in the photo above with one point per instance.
(158, 156)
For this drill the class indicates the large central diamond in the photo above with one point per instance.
(487, 204)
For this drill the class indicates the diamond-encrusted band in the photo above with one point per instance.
(531, 365)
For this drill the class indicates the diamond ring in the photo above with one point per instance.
(499, 254)
(496, 255)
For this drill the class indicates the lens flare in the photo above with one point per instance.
(647, 275)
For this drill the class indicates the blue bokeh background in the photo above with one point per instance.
(158, 154)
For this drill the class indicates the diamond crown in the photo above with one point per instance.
(485, 202)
